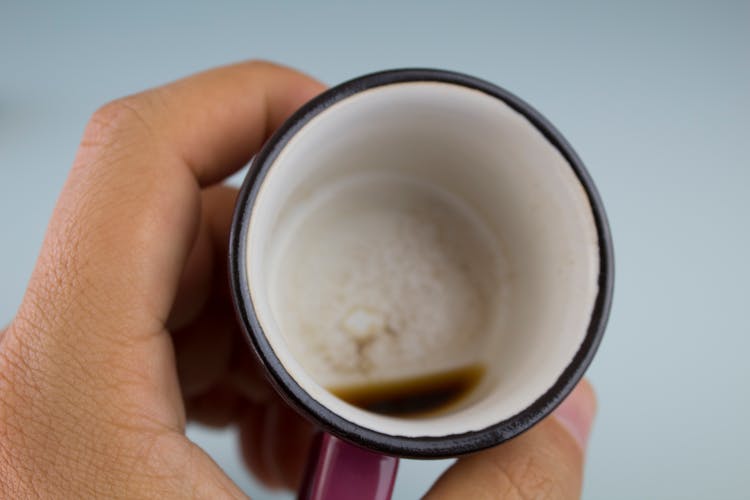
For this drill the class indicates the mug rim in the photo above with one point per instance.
(413, 446)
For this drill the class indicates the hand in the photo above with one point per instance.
(126, 329)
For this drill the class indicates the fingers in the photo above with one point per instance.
(287, 441)
(217, 407)
(203, 350)
(205, 273)
(214, 121)
(251, 444)
(129, 212)
(125, 223)
(545, 462)
(218, 373)
(88, 349)
(275, 444)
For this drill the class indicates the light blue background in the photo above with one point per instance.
(653, 95)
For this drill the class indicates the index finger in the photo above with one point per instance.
(127, 216)
(212, 121)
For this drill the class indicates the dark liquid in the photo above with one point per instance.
(417, 396)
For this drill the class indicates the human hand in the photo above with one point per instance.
(126, 329)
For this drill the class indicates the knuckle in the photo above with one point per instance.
(118, 119)
(263, 64)
(114, 116)
(263, 68)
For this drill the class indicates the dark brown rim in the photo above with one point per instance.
(420, 446)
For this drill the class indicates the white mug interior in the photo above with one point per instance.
(486, 228)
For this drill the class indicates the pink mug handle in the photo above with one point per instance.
(338, 470)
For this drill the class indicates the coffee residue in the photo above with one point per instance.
(413, 397)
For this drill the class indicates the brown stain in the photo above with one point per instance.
(362, 346)
(414, 397)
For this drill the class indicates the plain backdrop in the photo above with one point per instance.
(654, 96)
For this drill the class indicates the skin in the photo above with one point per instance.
(126, 329)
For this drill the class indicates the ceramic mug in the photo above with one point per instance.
(399, 230)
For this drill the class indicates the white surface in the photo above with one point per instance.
(451, 157)
(654, 96)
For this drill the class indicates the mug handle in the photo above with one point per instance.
(337, 470)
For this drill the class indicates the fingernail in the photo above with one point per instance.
(577, 412)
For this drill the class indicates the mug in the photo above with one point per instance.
(424, 268)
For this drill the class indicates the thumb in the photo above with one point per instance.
(546, 462)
